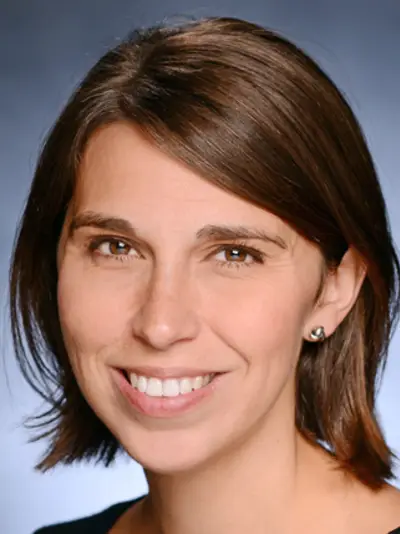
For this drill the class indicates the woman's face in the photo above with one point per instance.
(148, 279)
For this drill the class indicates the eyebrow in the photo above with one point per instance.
(232, 233)
(208, 232)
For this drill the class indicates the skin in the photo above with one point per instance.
(236, 462)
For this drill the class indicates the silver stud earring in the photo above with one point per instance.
(318, 334)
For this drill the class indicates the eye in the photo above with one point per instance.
(115, 248)
(112, 248)
(239, 255)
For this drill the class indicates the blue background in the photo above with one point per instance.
(45, 48)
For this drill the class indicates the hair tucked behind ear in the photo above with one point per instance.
(336, 391)
(254, 115)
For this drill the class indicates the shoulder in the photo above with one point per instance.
(98, 523)
(380, 512)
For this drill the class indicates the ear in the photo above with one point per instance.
(339, 293)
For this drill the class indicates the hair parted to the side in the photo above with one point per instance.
(250, 112)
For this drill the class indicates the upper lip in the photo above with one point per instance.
(170, 372)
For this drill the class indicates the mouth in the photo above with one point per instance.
(155, 385)
(164, 398)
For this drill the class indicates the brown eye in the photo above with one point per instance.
(118, 247)
(238, 256)
(235, 254)
(114, 248)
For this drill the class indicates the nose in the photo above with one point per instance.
(167, 314)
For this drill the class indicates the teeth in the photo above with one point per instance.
(171, 387)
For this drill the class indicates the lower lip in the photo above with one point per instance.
(164, 407)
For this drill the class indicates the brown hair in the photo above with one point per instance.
(250, 112)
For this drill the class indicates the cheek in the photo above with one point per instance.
(91, 311)
(262, 321)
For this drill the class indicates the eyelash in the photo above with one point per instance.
(258, 257)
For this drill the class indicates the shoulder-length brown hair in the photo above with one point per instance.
(252, 113)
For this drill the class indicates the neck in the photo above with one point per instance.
(258, 486)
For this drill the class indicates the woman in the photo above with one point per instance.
(204, 277)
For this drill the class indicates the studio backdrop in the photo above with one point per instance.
(46, 46)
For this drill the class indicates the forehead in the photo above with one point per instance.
(123, 174)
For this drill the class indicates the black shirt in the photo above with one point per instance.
(101, 522)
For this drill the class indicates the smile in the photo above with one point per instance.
(146, 394)
(170, 387)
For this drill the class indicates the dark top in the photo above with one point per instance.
(101, 522)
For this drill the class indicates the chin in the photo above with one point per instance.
(171, 454)
(169, 462)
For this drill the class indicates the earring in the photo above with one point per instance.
(318, 334)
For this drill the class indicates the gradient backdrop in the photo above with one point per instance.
(45, 48)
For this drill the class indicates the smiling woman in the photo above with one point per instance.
(204, 277)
